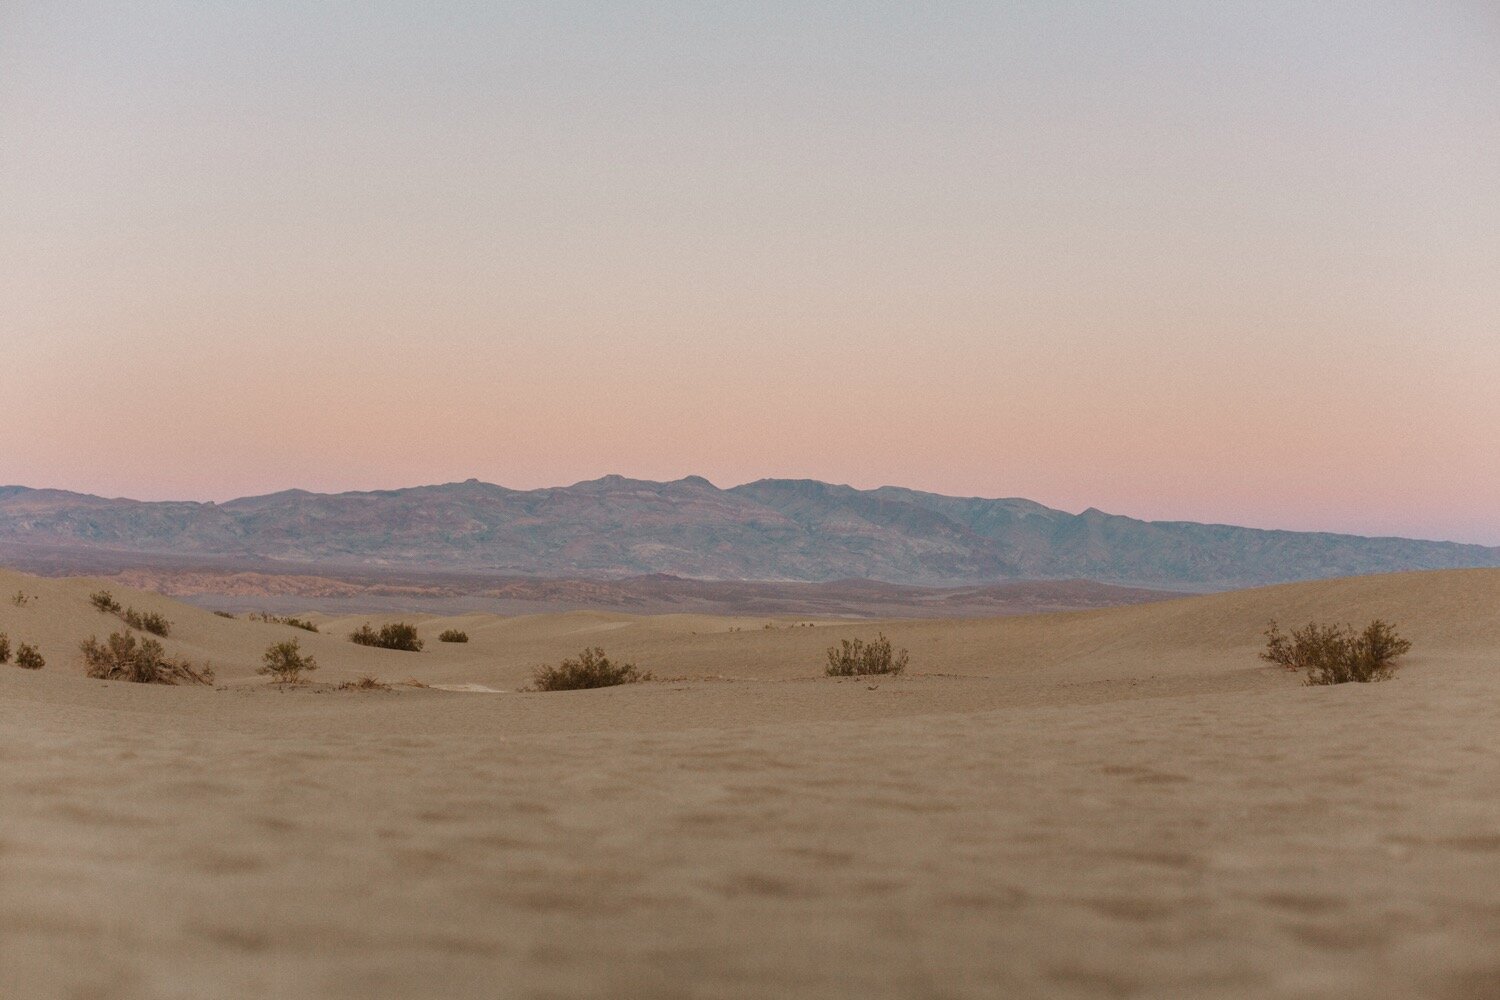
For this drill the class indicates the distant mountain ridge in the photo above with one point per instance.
(772, 529)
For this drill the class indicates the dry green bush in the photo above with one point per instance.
(27, 657)
(270, 619)
(144, 661)
(105, 602)
(854, 658)
(147, 621)
(4, 648)
(592, 669)
(453, 635)
(285, 662)
(366, 683)
(1337, 654)
(398, 635)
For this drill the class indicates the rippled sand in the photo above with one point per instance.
(1121, 803)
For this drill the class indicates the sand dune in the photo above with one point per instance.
(1109, 803)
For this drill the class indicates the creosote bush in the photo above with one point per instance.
(453, 635)
(366, 683)
(28, 658)
(1337, 654)
(398, 635)
(20, 599)
(4, 648)
(147, 621)
(854, 658)
(285, 662)
(143, 661)
(105, 602)
(224, 614)
(301, 623)
(592, 669)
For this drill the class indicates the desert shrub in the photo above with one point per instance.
(453, 635)
(105, 602)
(365, 683)
(592, 669)
(301, 623)
(1337, 654)
(28, 658)
(224, 614)
(4, 648)
(285, 661)
(19, 599)
(854, 657)
(147, 621)
(143, 661)
(398, 635)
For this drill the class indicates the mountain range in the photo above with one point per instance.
(772, 529)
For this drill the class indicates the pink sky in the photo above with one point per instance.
(1172, 262)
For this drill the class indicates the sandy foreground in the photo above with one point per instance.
(1115, 803)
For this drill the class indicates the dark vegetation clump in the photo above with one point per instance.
(855, 658)
(4, 648)
(105, 602)
(301, 623)
(224, 614)
(453, 635)
(285, 662)
(143, 661)
(147, 621)
(27, 657)
(20, 598)
(366, 683)
(398, 635)
(592, 669)
(1337, 654)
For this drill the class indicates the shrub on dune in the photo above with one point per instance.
(4, 648)
(123, 657)
(856, 658)
(453, 635)
(398, 635)
(1335, 654)
(147, 621)
(27, 657)
(591, 669)
(104, 601)
(285, 662)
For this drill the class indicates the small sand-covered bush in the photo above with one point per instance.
(854, 658)
(1337, 654)
(302, 623)
(104, 601)
(286, 662)
(366, 683)
(453, 635)
(591, 669)
(4, 648)
(398, 635)
(224, 614)
(147, 621)
(123, 657)
(27, 657)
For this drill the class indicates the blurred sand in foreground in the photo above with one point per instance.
(1115, 803)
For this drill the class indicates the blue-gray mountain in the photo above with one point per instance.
(767, 530)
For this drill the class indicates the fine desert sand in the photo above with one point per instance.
(1113, 803)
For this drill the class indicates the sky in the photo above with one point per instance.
(1231, 262)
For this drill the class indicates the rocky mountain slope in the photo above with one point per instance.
(797, 530)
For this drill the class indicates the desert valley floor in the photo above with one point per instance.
(1111, 803)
